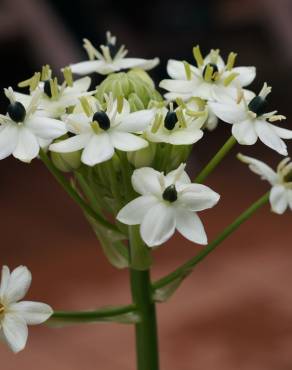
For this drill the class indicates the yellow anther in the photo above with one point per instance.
(200, 102)
(277, 117)
(187, 70)
(95, 127)
(195, 114)
(90, 49)
(54, 88)
(208, 73)
(120, 103)
(68, 76)
(157, 123)
(227, 81)
(181, 118)
(180, 102)
(231, 61)
(214, 54)
(32, 82)
(198, 56)
(85, 106)
(46, 72)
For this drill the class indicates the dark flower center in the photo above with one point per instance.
(258, 105)
(113, 49)
(170, 120)
(47, 88)
(102, 119)
(16, 111)
(214, 69)
(170, 193)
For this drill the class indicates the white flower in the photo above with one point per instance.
(281, 181)
(99, 132)
(15, 315)
(250, 121)
(55, 98)
(167, 203)
(180, 126)
(212, 79)
(23, 131)
(109, 59)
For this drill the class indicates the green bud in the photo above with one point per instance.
(135, 102)
(143, 75)
(66, 162)
(143, 157)
(116, 162)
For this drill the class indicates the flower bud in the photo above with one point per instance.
(135, 102)
(66, 162)
(143, 157)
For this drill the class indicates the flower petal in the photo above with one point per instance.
(19, 283)
(246, 75)
(145, 181)
(81, 85)
(134, 212)
(8, 140)
(5, 277)
(176, 69)
(146, 64)
(279, 199)
(99, 149)
(177, 176)
(270, 138)
(197, 197)
(46, 128)
(127, 142)
(185, 136)
(190, 226)
(260, 168)
(32, 312)
(15, 332)
(178, 86)
(244, 132)
(282, 132)
(158, 225)
(88, 66)
(72, 144)
(27, 146)
(136, 121)
(228, 112)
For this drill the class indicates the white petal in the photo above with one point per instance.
(72, 144)
(197, 197)
(244, 132)
(19, 283)
(32, 312)
(282, 132)
(176, 69)
(270, 138)
(8, 140)
(190, 226)
(145, 64)
(146, 181)
(136, 121)
(5, 277)
(177, 176)
(158, 225)
(185, 137)
(81, 85)
(15, 332)
(46, 128)
(134, 212)
(260, 168)
(99, 149)
(178, 86)
(87, 67)
(27, 146)
(289, 191)
(246, 75)
(127, 142)
(279, 199)
(228, 112)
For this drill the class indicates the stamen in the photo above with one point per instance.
(170, 194)
(157, 123)
(32, 82)
(231, 61)
(187, 70)
(192, 113)
(54, 88)
(198, 56)
(276, 117)
(282, 164)
(95, 127)
(210, 71)
(181, 118)
(9, 93)
(90, 49)
(67, 72)
(265, 91)
(46, 73)
(85, 106)
(180, 102)
(227, 81)
(214, 54)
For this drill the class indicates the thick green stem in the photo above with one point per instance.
(146, 329)
(189, 265)
(225, 149)
(73, 194)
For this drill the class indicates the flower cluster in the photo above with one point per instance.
(126, 147)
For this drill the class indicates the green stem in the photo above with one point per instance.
(90, 316)
(225, 149)
(72, 193)
(189, 265)
(146, 329)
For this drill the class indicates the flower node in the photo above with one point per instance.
(170, 193)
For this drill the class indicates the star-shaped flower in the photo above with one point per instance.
(281, 181)
(211, 80)
(167, 203)
(250, 120)
(98, 132)
(110, 59)
(15, 315)
(23, 131)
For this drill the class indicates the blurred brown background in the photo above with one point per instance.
(235, 310)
